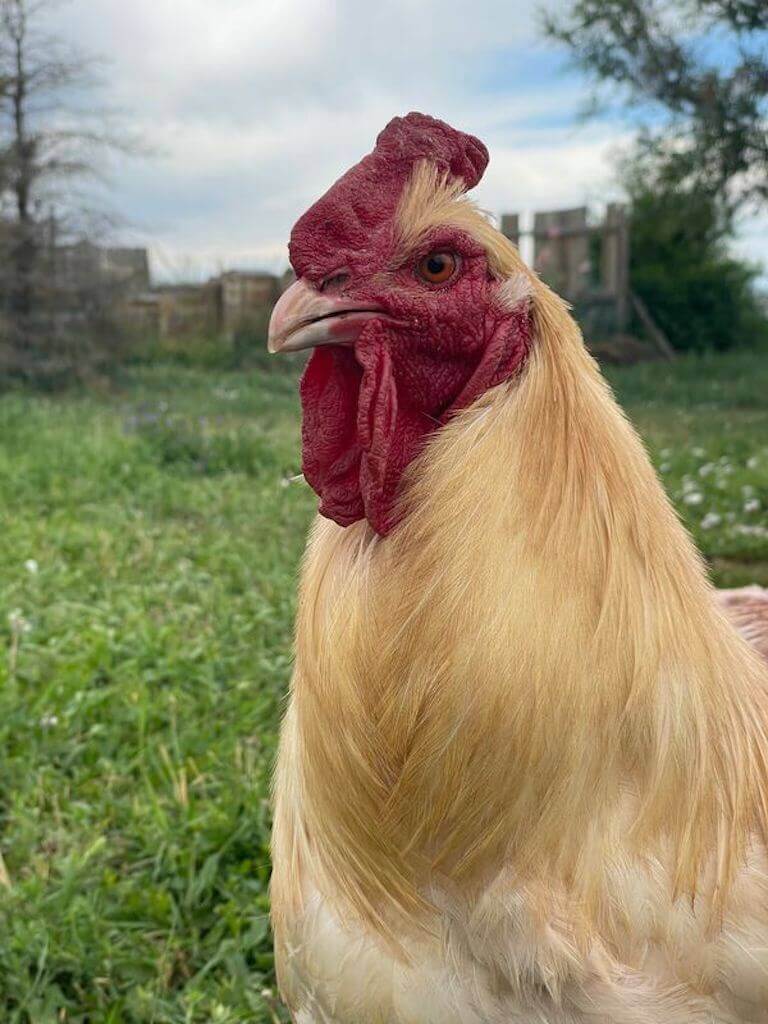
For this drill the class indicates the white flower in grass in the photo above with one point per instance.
(753, 505)
(706, 469)
(286, 481)
(664, 467)
(748, 491)
(699, 453)
(49, 721)
(693, 498)
(665, 453)
(711, 519)
(31, 566)
(751, 531)
(18, 623)
(752, 462)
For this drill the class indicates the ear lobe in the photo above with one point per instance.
(515, 289)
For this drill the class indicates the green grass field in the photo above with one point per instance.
(148, 556)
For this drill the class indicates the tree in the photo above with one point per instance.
(703, 115)
(52, 139)
(701, 297)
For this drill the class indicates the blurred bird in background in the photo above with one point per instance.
(747, 607)
(523, 773)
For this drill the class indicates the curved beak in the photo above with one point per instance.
(305, 318)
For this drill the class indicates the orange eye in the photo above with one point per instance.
(437, 267)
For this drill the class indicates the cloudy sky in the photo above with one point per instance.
(253, 107)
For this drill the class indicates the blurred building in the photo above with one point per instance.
(84, 264)
(74, 280)
(243, 297)
(235, 300)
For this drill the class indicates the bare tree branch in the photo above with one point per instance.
(53, 139)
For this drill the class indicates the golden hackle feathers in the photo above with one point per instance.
(530, 671)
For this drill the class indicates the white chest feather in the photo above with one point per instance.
(501, 963)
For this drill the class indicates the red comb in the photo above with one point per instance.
(421, 137)
(345, 225)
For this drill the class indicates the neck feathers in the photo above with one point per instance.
(536, 646)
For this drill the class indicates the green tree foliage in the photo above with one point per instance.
(696, 74)
(693, 75)
(700, 296)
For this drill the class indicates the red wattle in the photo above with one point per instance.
(358, 435)
(330, 452)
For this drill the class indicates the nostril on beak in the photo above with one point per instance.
(334, 281)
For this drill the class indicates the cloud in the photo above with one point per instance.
(254, 108)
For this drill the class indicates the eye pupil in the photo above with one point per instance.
(437, 267)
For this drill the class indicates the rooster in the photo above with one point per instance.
(523, 772)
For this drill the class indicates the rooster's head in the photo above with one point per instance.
(414, 305)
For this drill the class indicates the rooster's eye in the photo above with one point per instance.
(437, 267)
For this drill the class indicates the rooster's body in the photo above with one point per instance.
(523, 774)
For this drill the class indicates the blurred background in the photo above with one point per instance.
(153, 157)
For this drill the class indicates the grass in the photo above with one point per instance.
(148, 555)
(705, 421)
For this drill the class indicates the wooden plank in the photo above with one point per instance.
(658, 337)
(561, 250)
(615, 261)
(510, 227)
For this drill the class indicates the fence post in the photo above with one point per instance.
(510, 227)
(615, 260)
(561, 250)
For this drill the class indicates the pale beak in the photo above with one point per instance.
(305, 317)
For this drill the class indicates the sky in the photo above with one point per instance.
(250, 109)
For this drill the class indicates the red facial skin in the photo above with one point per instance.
(369, 408)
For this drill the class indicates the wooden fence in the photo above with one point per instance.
(588, 264)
